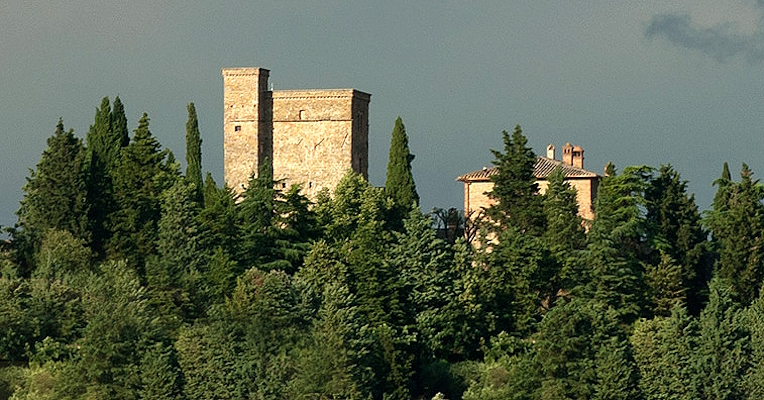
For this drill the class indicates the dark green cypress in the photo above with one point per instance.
(400, 184)
(193, 150)
(119, 131)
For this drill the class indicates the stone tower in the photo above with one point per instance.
(311, 137)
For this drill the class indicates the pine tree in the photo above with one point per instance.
(400, 184)
(678, 234)
(616, 242)
(179, 256)
(333, 364)
(754, 320)
(722, 354)
(664, 350)
(218, 222)
(159, 373)
(565, 235)
(193, 151)
(515, 189)
(737, 223)
(138, 184)
(56, 192)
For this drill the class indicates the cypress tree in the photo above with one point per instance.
(400, 184)
(105, 140)
(193, 151)
(120, 133)
(100, 151)
(99, 176)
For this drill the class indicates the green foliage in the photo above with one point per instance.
(194, 151)
(519, 282)
(565, 235)
(582, 352)
(754, 321)
(515, 189)
(721, 358)
(268, 296)
(31, 310)
(159, 374)
(678, 234)
(209, 357)
(342, 214)
(55, 195)
(178, 239)
(617, 243)
(60, 255)
(139, 181)
(218, 219)
(507, 371)
(664, 351)
(275, 229)
(736, 222)
(105, 139)
(664, 281)
(400, 184)
(334, 361)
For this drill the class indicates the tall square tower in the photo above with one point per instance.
(311, 137)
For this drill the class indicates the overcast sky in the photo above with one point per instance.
(645, 82)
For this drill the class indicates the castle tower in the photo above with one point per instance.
(247, 119)
(311, 137)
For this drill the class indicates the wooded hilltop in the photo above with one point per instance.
(128, 278)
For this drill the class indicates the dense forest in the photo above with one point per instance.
(128, 278)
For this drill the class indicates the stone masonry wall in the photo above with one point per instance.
(311, 137)
(244, 89)
(476, 198)
(314, 140)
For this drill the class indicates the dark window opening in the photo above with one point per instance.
(237, 128)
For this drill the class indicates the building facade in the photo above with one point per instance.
(478, 184)
(310, 137)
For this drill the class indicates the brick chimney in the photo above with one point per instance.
(573, 155)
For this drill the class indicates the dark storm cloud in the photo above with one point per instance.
(719, 42)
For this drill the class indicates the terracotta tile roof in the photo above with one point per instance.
(541, 170)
